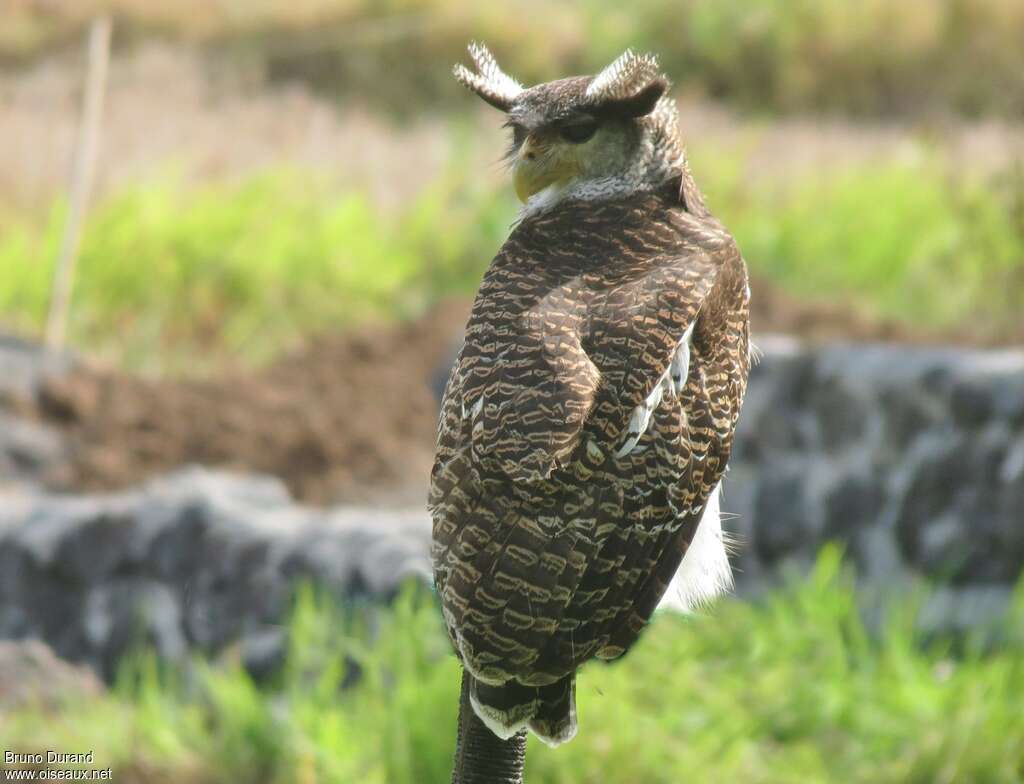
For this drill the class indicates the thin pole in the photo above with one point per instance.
(481, 757)
(86, 150)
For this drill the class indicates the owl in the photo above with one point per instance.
(588, 419)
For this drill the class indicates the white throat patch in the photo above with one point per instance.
(582, 190)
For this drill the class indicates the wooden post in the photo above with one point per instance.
(86, 150)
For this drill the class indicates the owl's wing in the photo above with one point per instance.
(642, 332)
(557, 339)
(527, 383)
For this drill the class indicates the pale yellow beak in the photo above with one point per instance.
(526, 184)
(528, 178)
(538, 166)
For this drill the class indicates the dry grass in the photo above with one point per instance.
(169, 107)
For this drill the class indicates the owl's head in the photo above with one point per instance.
(590, 136)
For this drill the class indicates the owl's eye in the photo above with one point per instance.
(518, 134)
(578, 132)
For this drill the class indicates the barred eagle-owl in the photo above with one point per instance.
(588, 419)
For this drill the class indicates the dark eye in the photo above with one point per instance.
(518, 134)
(578, 132)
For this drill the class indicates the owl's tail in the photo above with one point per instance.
(549, 711)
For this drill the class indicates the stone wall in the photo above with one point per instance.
(27, 450)
(911, 457)
(194, 560)
(914, 457)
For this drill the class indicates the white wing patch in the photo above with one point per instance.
(705, 572)
(671, 382)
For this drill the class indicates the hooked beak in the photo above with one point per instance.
(526, 178)
(537, 166)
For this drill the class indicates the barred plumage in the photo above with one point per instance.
(589, 417)
(624, 77)
(490, 82)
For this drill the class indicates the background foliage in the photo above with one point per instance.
(241, 265)
(867, 56)
(246, 268)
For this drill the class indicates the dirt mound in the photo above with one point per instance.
(349, 418)
(772, 310)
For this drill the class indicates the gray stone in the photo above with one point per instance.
(128, 613)
(913, 457)
(220, 489)
(852, 504)
(1008, 399)
(1011, 472)
(263, 652)
(842, 417)
(738, 499)
(25, 364)
(878, 555)
(953, 520)
(330, 557)
(927, 485)
(181, 531)
(194, 559)
(909, 412)
(391, 562)
(96, 545)
(439, 378)
(30, 453)
(988, 385)
(955, 611)
(972, 403)
(49, 521)
(774, 418)
(784, 526)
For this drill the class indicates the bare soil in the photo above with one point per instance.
(348, 418)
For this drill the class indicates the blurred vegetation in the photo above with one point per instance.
(914, 243)
(172, 274)
(169, 273)
(791, 688)
(857, 56)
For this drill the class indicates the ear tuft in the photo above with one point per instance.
(630, 86)
(490, 82)
(641, 104)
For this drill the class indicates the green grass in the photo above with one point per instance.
(792, 688)
(909, 242)
(171, 276)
